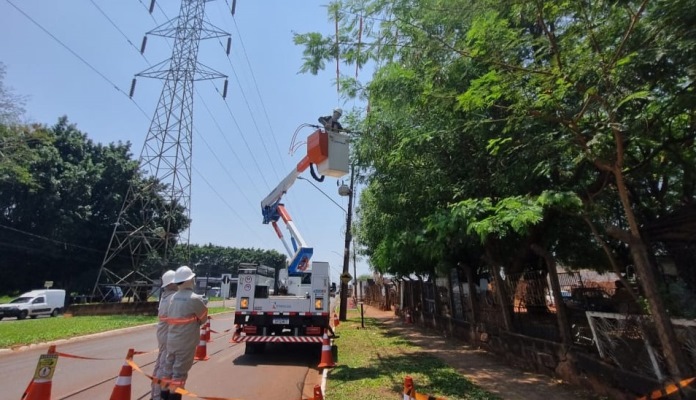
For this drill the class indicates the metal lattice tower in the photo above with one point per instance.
(155, 213)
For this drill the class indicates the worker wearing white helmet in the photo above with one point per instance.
(330, 122)
(168, 290)
(185, 314)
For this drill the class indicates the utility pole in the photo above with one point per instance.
(346, 249)
(155, 214)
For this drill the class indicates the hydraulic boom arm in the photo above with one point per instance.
(320, 146)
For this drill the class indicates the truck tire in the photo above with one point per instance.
(23, 314)
(54, 313)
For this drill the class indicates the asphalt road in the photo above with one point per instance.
(281, 373)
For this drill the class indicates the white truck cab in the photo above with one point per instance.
(32, 304)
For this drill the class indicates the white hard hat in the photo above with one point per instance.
(183, 274)
(338, 110)
(168, 278)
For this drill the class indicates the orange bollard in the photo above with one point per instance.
(40, 386)
(202, 349)
(207, 330)
(122, 388)
(409, 390)
(336, 321)
(317, 393)
(326, 356)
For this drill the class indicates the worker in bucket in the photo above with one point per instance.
(168, 289)
(330, 122)
(185, 314)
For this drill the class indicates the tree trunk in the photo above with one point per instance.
(500, 291)
(561, 312)
(473, 299)
(676, 362)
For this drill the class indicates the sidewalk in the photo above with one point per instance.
(484, 369)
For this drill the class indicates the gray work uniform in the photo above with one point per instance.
(162, 329)
(185, 315)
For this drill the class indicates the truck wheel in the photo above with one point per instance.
(23, 314)
(54, 313)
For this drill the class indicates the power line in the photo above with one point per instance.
(251, 113)
(241, 133)
(224, 168)
(118, 89)
(322, 192)
(114, 25)
(258, 93)
(63, 243)
(227, 204)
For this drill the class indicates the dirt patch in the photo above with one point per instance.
(483, 368)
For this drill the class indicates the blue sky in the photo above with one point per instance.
(240, 145)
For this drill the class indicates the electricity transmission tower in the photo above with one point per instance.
(155, 212)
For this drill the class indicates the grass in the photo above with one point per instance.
(372, 364)
(16, 333)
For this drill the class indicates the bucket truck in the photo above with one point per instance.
(296, 309)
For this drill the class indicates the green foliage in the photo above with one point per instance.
(216, 260)
(496, 125)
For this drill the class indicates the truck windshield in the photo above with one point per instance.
(21, 300)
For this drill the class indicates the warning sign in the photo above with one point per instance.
(46, 367)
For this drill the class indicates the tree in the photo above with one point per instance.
(491, 122)
(11, 105)
(60, 195)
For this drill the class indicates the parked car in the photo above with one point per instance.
(32, 304)
(113, 294)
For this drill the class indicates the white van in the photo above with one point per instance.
(35, 303)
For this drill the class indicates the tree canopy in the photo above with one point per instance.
(494, 127)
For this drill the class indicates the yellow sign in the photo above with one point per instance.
(346, 277)
(46, 367)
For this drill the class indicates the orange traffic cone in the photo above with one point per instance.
(40, 386)
(207, 330)
(122, 388)
(336, 321)
(326, 356)
(202, 349)
(409, 390)
(235, 333)
(317, 393)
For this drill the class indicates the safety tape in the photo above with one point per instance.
(225, 331)
(165, 384)
(667, 390)
(67, 355)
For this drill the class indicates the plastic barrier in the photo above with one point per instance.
(668, 390)
(411, 394)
